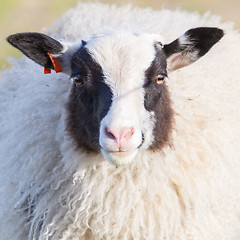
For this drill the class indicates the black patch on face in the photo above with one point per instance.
(157, 100)
(89, 103)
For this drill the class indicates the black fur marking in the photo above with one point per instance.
(157, 100)
(89, 103)
(204, 38)
(84, 43)
(36, 46)
(200, 40)
(173, 47)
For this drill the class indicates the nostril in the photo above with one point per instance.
(110, 134)
(120, 136)
(127, 132)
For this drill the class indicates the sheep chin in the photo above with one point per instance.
(119, 158)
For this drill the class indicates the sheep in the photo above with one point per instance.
(136, 144)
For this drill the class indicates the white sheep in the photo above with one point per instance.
(173, 144)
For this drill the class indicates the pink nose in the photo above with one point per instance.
(120, 136)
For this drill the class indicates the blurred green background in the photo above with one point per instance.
(35, 15)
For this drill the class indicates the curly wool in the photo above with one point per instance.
(189, 190)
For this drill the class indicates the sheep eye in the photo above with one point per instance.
(160, 79)
(78, 80)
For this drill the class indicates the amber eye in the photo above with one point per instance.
(78, 80)
(160, 79)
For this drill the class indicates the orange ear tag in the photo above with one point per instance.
(56, 64)
(46, 70)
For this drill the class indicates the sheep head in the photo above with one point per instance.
(119, 103)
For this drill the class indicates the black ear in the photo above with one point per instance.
(37, 47)
(192, 45)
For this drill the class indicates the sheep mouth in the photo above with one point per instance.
(120, 158)
(121, 152)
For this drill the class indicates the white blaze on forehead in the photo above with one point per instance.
(124, 57)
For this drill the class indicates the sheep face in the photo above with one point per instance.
(119, 102)
(116, 99)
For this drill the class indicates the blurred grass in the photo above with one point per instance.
(5, 6)
(34, 15)
(26, 15)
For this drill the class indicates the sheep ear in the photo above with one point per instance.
(39, 47)
(192, 45)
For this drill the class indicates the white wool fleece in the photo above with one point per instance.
(188, 191)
